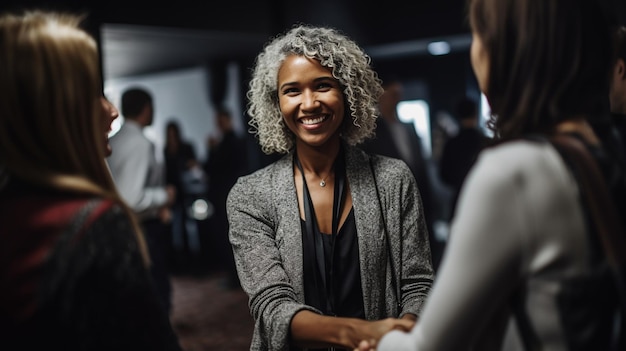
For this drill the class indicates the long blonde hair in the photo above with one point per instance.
(52, 122)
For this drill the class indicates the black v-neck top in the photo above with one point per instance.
(342, 270)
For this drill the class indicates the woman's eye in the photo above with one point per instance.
(324, 86)
(288, 91)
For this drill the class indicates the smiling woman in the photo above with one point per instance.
(323, 265)
(310, 100)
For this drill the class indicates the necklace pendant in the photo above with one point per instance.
(323, 183)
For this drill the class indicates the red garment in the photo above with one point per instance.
(72, 277)
(39, 223)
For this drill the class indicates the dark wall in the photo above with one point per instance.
(447, 77)
(369, 23)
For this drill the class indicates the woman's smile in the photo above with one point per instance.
(311, 100)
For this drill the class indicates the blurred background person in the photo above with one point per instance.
(73, 261)
(141, 182)
(617, 103)
(611, 128)
(183, 171)
(398, 139)
(227, 160)
(617, 93)
(461, 150)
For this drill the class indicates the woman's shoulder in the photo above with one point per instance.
(520, 159)
(388, 172)
(91, 216)
(269, 170)
(101, 233)
(264, 179)
(520, 150)
(392, 167)
(57, 209)
(357, 155)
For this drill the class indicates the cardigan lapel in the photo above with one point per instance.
(369, 225)
(370, 231)
(289, 230)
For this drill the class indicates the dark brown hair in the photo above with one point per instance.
(549, 60)
(134, 100)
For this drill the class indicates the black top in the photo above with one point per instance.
(175, 165)
(342, 270)
(332, 280)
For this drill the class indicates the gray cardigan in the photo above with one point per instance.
(265, 233)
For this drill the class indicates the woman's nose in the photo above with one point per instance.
(310, 101)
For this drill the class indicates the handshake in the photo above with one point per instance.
(386, 326)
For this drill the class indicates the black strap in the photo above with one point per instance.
(395, 283)
(595, 192)
(314, 239)
(528, 336)
(605, 215)
(599, 201)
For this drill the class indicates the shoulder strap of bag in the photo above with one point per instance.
(598, 199)
(609, 228)
(608, 224)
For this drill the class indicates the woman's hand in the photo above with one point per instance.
(372, 331)
(312, 330)
(379, 328)
(366, 345)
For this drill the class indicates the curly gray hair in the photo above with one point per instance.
(350, 66)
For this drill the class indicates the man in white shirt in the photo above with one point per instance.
(140, 180)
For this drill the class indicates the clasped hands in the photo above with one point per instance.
(384, 326)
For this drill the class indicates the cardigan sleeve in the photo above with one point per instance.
(408, 234)
(272, 299)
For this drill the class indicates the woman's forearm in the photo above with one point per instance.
(312, 330)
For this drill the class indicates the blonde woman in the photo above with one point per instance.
(73, 265)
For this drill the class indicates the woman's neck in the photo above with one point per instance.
(318, 161)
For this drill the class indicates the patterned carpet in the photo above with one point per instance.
(207, 315)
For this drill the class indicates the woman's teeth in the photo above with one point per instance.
(313, 120)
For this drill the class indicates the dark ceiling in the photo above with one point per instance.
(140, 37)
